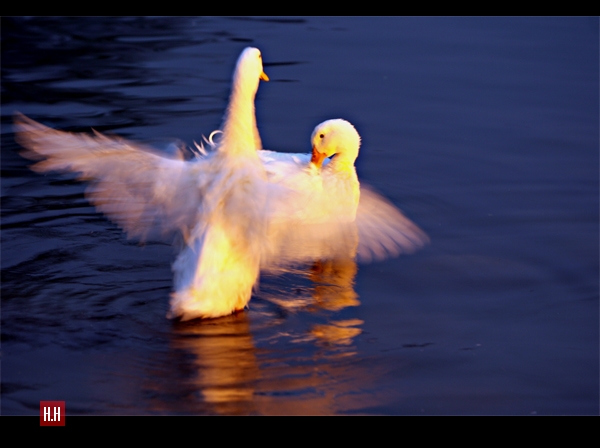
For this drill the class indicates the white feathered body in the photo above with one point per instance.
(332, 214)
(217, 203)
(215, 272)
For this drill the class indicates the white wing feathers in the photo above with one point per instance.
(383, 231)
(379, 231)
(145, 192)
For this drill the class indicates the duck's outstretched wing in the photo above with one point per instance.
(383, 231)
(379, 231)
(147, 193)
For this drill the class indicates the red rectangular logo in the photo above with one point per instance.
(52, 413)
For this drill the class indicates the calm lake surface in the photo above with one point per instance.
(483, 131)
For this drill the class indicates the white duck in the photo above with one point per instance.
(335, 216)
(217, 203)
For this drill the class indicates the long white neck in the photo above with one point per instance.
(239, 123)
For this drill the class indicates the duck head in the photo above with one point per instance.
(249, 70)
(335, 137)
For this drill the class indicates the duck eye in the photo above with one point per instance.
(322, 135)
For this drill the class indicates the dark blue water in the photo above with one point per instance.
(484, 131)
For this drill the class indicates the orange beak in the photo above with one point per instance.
(264, 76)
(317, 158)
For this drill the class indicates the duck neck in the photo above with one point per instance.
(341, 162)
(239, 124)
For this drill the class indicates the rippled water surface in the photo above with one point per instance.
(484, 131)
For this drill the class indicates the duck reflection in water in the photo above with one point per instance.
(241, 366)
